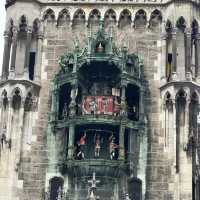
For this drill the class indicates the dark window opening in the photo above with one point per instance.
(56, 185)
(132, 100)
(64, 101)
(135, 188)
(31, 65)
(169, 66)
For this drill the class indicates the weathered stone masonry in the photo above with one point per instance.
(35, 145)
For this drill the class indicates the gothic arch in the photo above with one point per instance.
(140, 18)
(49, 15)
(63, 17)
(16, 98)
(125, 18)
(23, 23)
(110, 15)
(155, 18)
(79, 17)
(94, 16)
(168, 26)
(4, 98)
(55, 186)
(181, 23)
(195, 27)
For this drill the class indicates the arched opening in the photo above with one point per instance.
(64, 100)
(180, 123)
(4, 114)
(168, 68)
(132, 101)
(63, 18)
(56, 188)
(140, 19)
(110, 18)
(125, 19)
(94, 18)
(23, 24)
(135, 188)
(181, 47)
(16, 100)
(194, 43)
(79, 18)
(155, 20)
(49, 15)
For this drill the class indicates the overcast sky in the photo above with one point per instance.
(2, 25)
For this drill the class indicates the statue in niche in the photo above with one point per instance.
(93, 106)
(65, 111)
(80, 147)
(97, 142)
(112, 147)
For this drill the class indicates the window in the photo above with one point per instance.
(31, 65)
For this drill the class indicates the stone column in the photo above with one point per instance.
(9, 122)
(40, 38)
(6, 55)
(174, 55)
(27, 52)
(14, 51)
(163, 53)
(163, 57)
(197, 56)
(123, 100)
(121, 140)
(72, 106)
(188, 54)
(71, 136)
(141, 105)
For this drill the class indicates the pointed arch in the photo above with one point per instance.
(49, 15)
(125, 18)
(94, 16)
(23, 23)
(181, 23)
(79, 17)
(168, 26)
(195, 27)
(110, 16)
(140, 19)
(155, 18)
(16, 98)
(4, 98)
(63, 17)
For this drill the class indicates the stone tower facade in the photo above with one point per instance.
(104, 93)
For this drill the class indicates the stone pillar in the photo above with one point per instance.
(163, 57)
(123, 100)
(121, 140)
(141, 105)
(40, 38)
(71, 137)
(27, 52)
(14, 51)
(163, 53)
(188, 54)
(174, 54)
(197, 56)
(9, 122)
(72, 106)
(6, 55)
